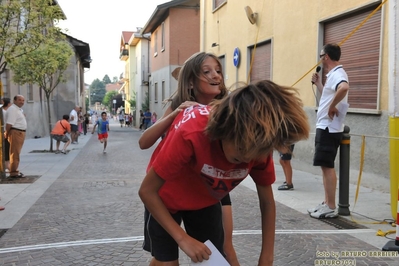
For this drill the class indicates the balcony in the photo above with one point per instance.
(124, 55)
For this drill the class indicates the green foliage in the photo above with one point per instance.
(109, 96)
(44, 66)
(25, 25)
(132, 101)
(106, 80)
(97, 90)
(146, 104)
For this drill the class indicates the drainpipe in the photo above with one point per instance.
(203, 24)
(393, 107)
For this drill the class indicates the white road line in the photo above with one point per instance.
(140, 238)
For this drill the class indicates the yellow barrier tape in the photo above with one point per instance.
(359, 179)
(346, 38)
(256, 43)
(382, 233)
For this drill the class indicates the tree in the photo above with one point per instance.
(106, 80)
(132, 101)
(108, 99)
(24, 25)
(45, 67)
(115, 79)
(97, 91)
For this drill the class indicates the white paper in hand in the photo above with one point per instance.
(216, 259)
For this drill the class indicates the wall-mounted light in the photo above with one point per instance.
(215, 44)
(126, 45)
(252, 17)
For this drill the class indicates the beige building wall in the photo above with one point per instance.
(295, 31)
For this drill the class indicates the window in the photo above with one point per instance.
(261, 66)
(163, 37)
(30, 91)
(218, 3)
(163, 90)
(223, 63)
(361, 62)
(5, 79)
(156, 93)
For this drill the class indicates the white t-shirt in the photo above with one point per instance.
(75, 117)
(336, 76)
(15, 117)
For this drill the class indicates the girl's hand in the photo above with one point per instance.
(181, 107)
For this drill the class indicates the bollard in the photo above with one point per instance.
(344, 151)
(393, 245)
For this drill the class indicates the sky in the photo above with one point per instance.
(100, 24)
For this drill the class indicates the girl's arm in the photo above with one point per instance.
(268, 214)
(228, 247)
(148, 193)
(153, 133)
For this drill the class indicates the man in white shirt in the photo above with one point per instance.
(334, 95)
(73, 120)
(15, 133)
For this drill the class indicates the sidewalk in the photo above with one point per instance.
(19, 198)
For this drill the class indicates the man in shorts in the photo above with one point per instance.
(102, 131)
(58, 133)
(334, 96)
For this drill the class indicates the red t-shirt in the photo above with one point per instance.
(195, 169)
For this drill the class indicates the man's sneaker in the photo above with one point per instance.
(57, 151)
(63, 151)
(315, 209)
(104, 151)
(325, 212)
(285, 186)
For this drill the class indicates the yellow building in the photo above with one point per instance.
(281, 40)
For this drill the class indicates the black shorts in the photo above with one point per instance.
(226, 200)
(326, 147)
(200, 224)
(287, 156)
(74, 128)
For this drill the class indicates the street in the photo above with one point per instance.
(92, 215)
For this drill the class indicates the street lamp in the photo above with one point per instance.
(114, 104)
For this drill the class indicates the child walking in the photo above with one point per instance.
(102, 131)
(208, 151)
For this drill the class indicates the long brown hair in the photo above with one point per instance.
(188, 82)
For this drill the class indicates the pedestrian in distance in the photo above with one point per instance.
(200, 80)
(6, 104)
(329, 129)
(15, 133)
(285, 162)
(58, 133)
(74, 120)
(102, 131)
(208, 151)
(141, 119)
(147, 119)
(86, 123)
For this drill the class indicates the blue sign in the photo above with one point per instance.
(236, 57)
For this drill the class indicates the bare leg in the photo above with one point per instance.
(330, 186)
(287, 169)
